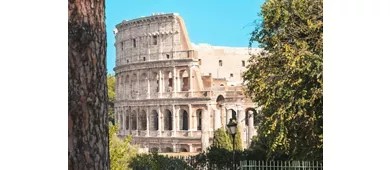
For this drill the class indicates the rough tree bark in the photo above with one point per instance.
(87, 87)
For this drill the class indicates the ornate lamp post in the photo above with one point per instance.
(232, 127)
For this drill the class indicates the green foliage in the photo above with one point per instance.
(121, 152)
(159, 162)
(288, 80)
(111, 94)
(221, 158)
(237, 141)
(221, 139)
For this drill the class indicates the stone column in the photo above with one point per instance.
(129, 121)
(190, 148)
(240, 125)
(138, 84)
(251, 128)
(174, 148)
(217, 119)
(122, 122)
(138, 42)
(160, 76)
(148, 47)
(147, 121)
(160, 47)
(205, 128)
(178, 86)
(228, 115)
(163, 82)
(239, 116)
(190, 124)
(190, 80)
(137, 118)
(223, 115)
(174, 121)
(174, 82)
(159, 121)
(148, 79)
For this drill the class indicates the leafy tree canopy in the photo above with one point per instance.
(121, 152)
(111, 94)
(287, 79)
(221, 139)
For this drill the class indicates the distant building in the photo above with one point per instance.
(171, 94)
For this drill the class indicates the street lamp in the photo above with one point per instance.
(232, 127)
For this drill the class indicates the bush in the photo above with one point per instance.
(121, 152)
(158, 162)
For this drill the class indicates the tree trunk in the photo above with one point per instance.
(87, 87)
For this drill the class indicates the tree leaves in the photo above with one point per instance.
(287, 81)
(121, 152)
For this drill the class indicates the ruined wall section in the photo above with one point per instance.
(152, 38)
(224, 62)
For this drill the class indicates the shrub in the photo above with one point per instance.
(159, 162)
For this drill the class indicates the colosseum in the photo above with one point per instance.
(173, 94)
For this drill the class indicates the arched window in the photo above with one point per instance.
(183, 120)
(168, 149)
(133, 86)
(121, 122)
(199, 119)
(167, 120)
(142, 120)
(127, 122)
(143, 81)
(154, 120)
(234, 115)
(184, 81)
(133, 118)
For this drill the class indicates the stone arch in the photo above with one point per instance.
(183, 150)
(184, 80)
(248, 116)
(121, 121)
(143, 82)
(142, 120)
(199, 113)
(134, 85)
(127, 121)
(168, 81)
(133, 119)
(168, 149)
(154, 149)
(167, 119)
(153, 120)
(154, 82)
(183, 119)
(220, 101)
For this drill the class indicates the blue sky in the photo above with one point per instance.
(216, 22)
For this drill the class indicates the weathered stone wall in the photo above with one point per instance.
(162, 99)
(234, 61)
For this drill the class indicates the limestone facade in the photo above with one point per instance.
(171, 94)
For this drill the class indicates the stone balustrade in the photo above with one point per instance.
(154, 57)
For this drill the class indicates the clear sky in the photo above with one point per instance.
(216, 22)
